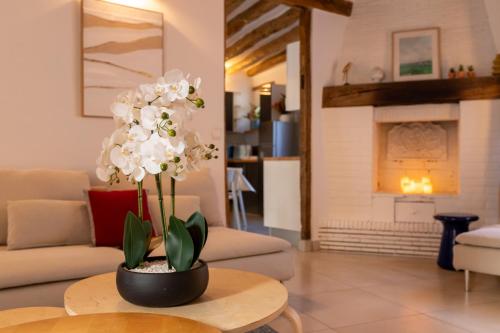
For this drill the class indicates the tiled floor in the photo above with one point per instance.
(350, 293)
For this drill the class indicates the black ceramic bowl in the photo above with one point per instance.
(162, 289)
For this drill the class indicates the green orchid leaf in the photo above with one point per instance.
(180, 247)
(198, 229)
(147, 228)
(136, 238)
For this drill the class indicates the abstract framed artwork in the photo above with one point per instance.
(122, 47)
(416, 54)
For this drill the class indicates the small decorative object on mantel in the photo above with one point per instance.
(416, 55)
(345, 73)
(470, 72)
(496, 66)
(152, 138)
(461, 72)
(378, 74)
(452, 74)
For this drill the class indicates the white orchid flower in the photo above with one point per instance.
(104, 169)
(104, 172)
(138, 133)
(197, 83)
(155, 152)
(122, 112)
(119, 136)
(149, 117)
(148, 91)
(151, 131)
(176, 86)
(138, 174)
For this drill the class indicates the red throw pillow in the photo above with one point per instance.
(109, 209)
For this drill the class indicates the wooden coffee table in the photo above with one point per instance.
(113, 323)
(24, 315)
(235, 301)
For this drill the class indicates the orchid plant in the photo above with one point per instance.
(152, 137)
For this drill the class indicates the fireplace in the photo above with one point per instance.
(416, 157)
(390, 169)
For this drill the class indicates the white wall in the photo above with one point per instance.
(40, 87)
(465, 34)
(493, 10)
(326, 40)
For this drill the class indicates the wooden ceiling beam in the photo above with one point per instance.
(267, 63)
(252, 13)
(263, 31)
(272, 47)
(341, 7)
(231, 5)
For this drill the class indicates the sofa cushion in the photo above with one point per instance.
(225, 243)
(486, 237)
(185, 205)
(108, 210)
(49, 264)
(38, 184)
(63, 222)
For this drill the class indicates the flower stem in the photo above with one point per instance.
(172, 194)
(162, 211)
(139, 200)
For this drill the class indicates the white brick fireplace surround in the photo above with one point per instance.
(361, 218)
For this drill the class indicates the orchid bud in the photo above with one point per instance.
(164, 115)
(211, 146)
(199, 102)
(177, 159)
(191, 90)
(164, 166)
(171, 132)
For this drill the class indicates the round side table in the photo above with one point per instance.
(113, 323)
(235, 301)
(453, 225)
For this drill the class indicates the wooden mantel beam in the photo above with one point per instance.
(231, 5)
(272, 47)
(267, 63)
(341, 7)
(252, 13)
(263, 31)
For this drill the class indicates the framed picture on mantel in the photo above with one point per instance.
(416, 54)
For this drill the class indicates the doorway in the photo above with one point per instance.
(268, 114)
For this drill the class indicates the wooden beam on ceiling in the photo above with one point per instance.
(272, 47)
(267, 63)
(341, 7)
(261, 32)
(231, 5)
(252, 13)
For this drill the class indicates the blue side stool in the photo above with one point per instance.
(453, 224)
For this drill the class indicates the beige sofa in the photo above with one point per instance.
(39, 276)
(478, 251)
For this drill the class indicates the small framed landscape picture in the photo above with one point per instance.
(416, 54)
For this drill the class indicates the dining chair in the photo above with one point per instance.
(237, 184)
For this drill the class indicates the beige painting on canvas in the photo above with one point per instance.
(122, 47)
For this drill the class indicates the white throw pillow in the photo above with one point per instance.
(40, 223)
